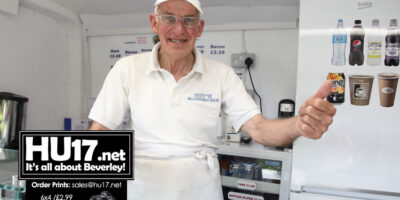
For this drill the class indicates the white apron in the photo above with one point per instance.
(192, 175)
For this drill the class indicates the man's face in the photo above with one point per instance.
(177, 40)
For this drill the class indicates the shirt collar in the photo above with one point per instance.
(155, 65)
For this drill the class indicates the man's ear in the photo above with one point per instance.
(153, 23)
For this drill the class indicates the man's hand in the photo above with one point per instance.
(316, 114)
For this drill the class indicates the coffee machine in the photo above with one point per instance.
(12, 119)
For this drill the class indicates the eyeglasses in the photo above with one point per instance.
(171, 20)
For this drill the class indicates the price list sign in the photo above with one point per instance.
(61, 164)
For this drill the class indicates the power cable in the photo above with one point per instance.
(248, 63)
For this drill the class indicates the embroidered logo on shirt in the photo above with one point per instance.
(203, 97)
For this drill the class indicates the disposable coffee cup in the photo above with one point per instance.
(387, 88)
(360, 89)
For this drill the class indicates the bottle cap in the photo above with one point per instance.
(340, 23)
(357, 21)
(375, 22)
(393, 22)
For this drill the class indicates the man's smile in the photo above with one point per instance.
(177, 40)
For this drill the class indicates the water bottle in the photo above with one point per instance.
(339, 40)
(374, 44)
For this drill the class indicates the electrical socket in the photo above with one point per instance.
(237, 59)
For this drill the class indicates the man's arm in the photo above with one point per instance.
(95, 126)
(315, 116)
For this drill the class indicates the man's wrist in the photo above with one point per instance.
(295, 132)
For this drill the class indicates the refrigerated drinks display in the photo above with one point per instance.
(355, 158)
(252, 171)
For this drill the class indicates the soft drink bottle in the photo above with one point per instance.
(356, 56)
(339, 40)
(392, 45)
(374, 44)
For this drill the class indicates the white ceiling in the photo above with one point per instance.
(121, 7)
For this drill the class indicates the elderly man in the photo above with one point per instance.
(174, 97)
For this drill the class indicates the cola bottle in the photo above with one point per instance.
(392, 45)
(357, 34)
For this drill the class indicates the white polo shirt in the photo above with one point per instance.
(171, 117)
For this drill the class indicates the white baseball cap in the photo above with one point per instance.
(195, 3)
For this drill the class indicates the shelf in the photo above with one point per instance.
(253, 150)
(261, 186)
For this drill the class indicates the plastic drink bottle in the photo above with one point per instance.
(339, 40)
(392, 45)
(374, 45)
(356, 56)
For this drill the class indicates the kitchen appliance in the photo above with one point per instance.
(286, 108)
(358, 157)
(12, 118)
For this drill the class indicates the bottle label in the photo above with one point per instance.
(374, 49)
(357, 43)
(339, 38)
(392, 50)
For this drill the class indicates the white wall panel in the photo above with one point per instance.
(274, 74)
(34, 62)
